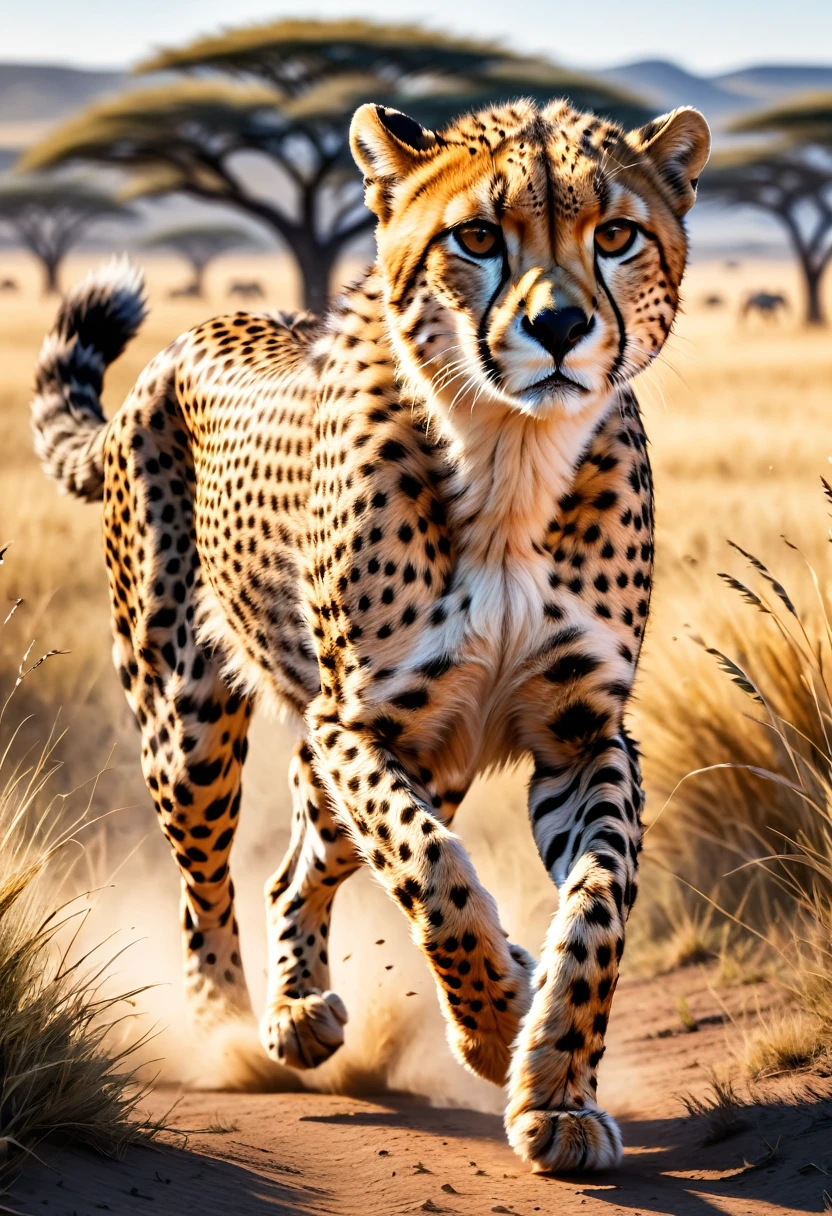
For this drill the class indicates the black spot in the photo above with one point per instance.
(387, 729)
(555, 849)
(578, 950)
(414, 698)
(579, 721)
(223, 840)
(571, 667)
(598, 914)
(205, 773)
(606, 499)
(217, 808)
(437, 667)
(573, 1040)
(392, 450)
(165, 618)
(580, 992)
(410, 486)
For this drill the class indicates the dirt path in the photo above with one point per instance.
(265, 1154)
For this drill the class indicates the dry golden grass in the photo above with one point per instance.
(721, 1110)
(738, 417)
(65, 1046)
(785, 1042)
(756, 806)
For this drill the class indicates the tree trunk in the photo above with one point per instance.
(50, 275)
(198, 281)
(315, 263)
(814, 301)
(812, 270)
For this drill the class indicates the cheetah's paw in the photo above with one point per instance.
(483, 1042)
(304, 1031)
(564, 1141)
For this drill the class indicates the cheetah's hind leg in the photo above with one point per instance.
(304, 1021)
(193, 725)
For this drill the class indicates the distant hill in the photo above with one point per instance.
(769, 82)
(667, 85)
(722, 97)
(34, 97)
(31, 91)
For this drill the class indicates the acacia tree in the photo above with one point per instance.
(796, 192)
(49, 217)
(295, 85)
(791, 179)
(201, 244)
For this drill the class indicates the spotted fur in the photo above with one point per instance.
(423, 527)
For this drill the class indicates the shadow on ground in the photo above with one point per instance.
(314, 1153)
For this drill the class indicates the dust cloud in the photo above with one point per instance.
(396, 1034)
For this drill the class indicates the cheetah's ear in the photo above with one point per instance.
(386, 144)
(678, 144)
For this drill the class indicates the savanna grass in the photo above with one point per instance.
(749, 830)
(65, 1039)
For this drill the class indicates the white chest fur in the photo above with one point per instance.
(510, 472)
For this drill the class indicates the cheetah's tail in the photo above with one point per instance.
(96, 320)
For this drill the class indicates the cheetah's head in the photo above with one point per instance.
(531, 257)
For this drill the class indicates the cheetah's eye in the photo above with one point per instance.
(481, 239)
(615, 237)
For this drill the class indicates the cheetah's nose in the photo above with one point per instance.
(558, 329)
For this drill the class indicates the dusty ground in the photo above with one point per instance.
(257, 1154)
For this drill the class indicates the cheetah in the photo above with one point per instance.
(422, 526)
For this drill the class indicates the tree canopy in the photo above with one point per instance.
(805, 119)
(49, 215)
(291, 55)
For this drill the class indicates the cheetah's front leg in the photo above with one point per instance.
(482, 981)
(585, 817)
(303, 1024)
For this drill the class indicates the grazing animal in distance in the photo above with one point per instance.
(423, 526)
(766, 304)
(190, 291)
(246, 289)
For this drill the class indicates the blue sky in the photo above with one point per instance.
(707, 35)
